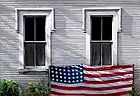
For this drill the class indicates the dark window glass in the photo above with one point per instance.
(40, 28)
(107, 28)
(29, 54)
(29, 28)
(95, 54)
(95, 28)
(34, 31)
(40, 57)
(106, 53)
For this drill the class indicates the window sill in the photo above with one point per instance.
(26, 70)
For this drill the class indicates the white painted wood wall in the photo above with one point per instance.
(68, 41)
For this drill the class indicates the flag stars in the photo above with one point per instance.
(77, 73)
(56, 69)
(60, 69)
(60, 76)
(73, 81)
(51, 67)
(70, 74)
(61, 80)
(56, 72)
(56, 76)
(56, 79)
(64, 77)
(52, 79)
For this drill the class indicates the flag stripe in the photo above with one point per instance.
(109, 78)
(108, 81)
(92, 81)
(89, 88)
(93, 85)
(89, 68)
(115, 94)
(108, 75)
(108, 71)
(92, 91)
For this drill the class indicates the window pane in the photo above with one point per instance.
(40, 54)
(107, 28)
(95, 28)
(95, 54)
(29, 28)
(29, 54)
(40, 28)
(106, 53)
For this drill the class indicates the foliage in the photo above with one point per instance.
(9, 88)
(39, 89)
(134, 92)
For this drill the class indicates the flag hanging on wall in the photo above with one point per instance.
(79, 80)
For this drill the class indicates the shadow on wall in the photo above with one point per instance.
(129, 45)
(9, 49)
(8, 43)
(68, 40)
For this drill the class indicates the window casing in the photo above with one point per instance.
(102, 41)
(34, 26)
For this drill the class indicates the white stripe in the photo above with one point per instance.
(109, 78)
(93, 85)
(108, 71)
(92, 91)
(105, 66)
(87, 66)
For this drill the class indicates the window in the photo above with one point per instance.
(34, 44)
(101, 26)
(35, 26)
(101, 40)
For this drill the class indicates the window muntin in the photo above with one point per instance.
(34, 44)
(101, 40)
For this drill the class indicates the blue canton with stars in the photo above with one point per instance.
(67, 74)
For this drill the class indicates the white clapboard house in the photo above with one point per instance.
(37, 33)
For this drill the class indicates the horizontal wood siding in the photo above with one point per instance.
(68, 41)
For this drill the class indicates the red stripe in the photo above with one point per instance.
(114, 94)
(89, 88)
(108, 75)
(107, 81)
(108, 68)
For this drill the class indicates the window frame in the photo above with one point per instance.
(116, 27)
(49, 13)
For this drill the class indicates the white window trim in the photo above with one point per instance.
(20, 12)
(116, 23)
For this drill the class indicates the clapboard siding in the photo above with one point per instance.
(68, 42)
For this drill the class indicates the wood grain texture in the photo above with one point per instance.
(68, 41)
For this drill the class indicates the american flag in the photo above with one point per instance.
(78, 80)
